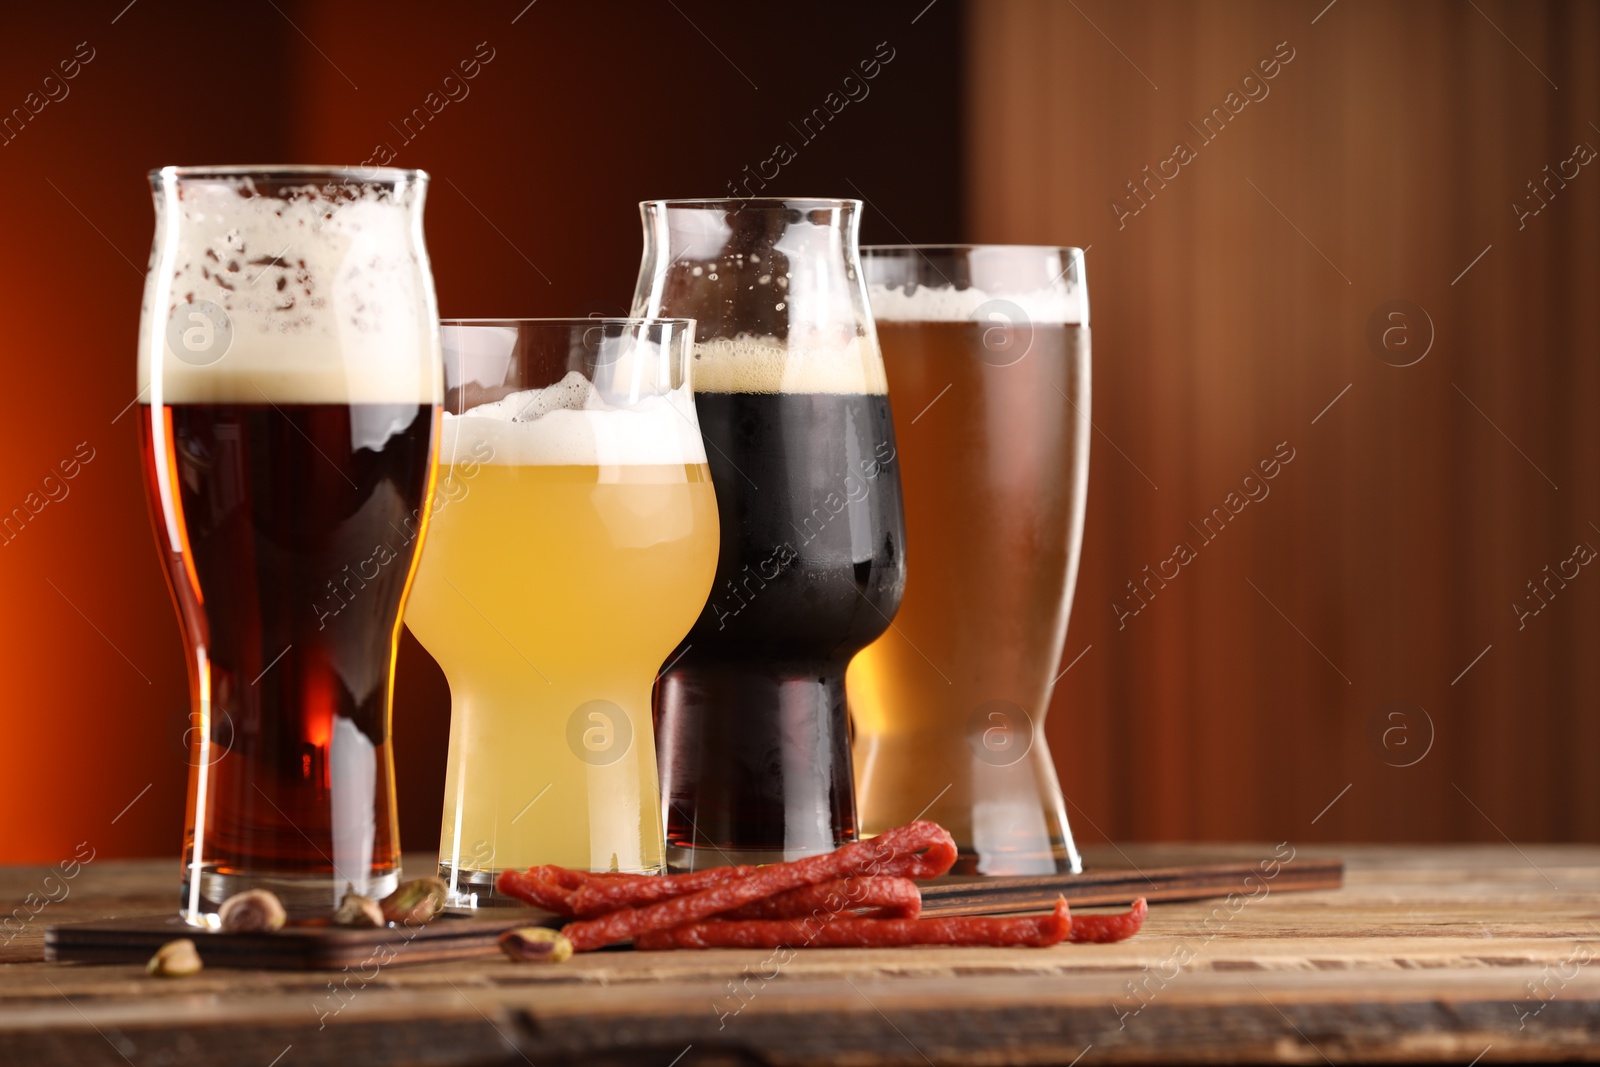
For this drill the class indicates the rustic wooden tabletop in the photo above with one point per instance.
(1428, 954)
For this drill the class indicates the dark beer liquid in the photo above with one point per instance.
(299, 526)
(751, 719)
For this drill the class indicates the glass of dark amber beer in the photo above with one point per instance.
(752, 729)
(289, 387)
(988, 348)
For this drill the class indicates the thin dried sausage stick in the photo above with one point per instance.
(903, 862)
(888, 853)
(604, 893)
(1037, 931)
(694, 879)
(548, 887)
(1102, 929)
(889, 897)
(576, 894)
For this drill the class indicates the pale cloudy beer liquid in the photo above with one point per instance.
(568, 555)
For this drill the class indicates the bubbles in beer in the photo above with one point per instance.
(767, 365)
(571, 393)
(1007, 334)
(199, 333)
(316, 291)
(1060, 303)
(572, 423)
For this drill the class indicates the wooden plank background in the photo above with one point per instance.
(1228, 313)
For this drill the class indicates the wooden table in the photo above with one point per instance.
(1428, 954)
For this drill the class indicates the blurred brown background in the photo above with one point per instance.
(1343, 661)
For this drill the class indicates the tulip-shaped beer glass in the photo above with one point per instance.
(573, 543)
(751, 721)
(289, 380)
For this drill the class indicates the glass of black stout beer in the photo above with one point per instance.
(290, 380)
(752, 728)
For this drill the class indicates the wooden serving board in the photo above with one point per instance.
(1122, 885)
(295, 948)
(319, 947)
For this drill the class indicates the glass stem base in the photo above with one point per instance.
(754, 762)
(303, 896)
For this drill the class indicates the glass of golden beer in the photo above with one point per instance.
(988, 347)
(573, 543)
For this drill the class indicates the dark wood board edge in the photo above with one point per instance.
(1185, 874)
(133, 940)
(1122, 887)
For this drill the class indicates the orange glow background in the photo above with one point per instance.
(1396, 142)
(538, 172)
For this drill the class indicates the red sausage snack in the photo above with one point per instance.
(603, 893)
(1106, 928)
(576, 894)
(893, 852)
(888, 897)
(859, 895)
(548, 887)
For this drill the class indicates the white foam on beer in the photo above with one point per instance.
(325, 299)
(768, 365)
(948, 304)
(571, 424)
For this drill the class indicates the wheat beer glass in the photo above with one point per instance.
(574, 539)
(751, 721)
(990, 346)
(289, 383)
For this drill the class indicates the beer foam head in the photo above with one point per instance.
(923, 303)
(768, 365)
(571, 424)
(297, 294)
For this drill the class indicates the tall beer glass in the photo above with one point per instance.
(574, 540)
(751, 720)
(289, 381)
(989, 346)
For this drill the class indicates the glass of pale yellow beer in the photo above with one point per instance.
(987, 353)
(573, 543)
